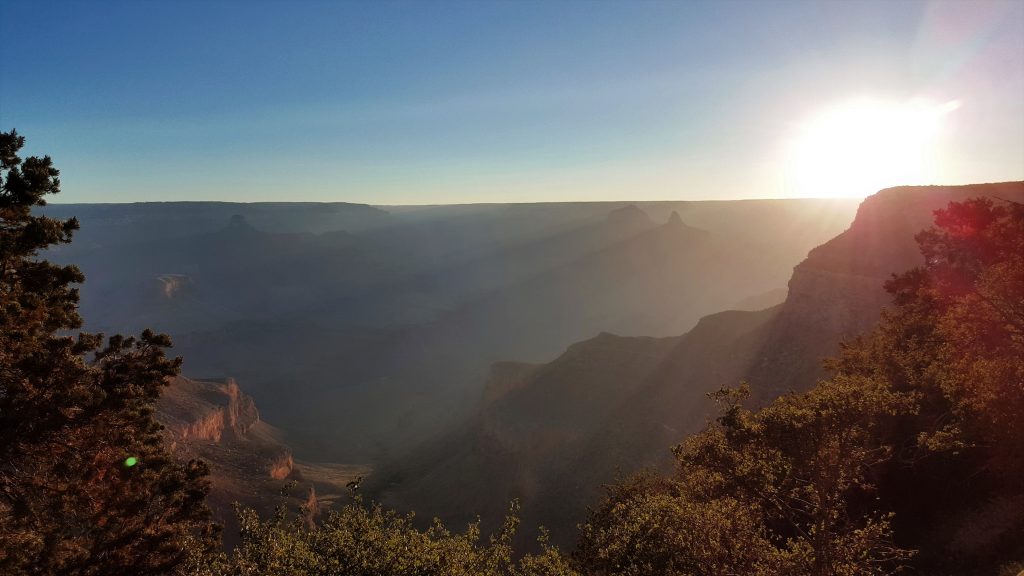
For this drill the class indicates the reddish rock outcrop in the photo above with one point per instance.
(206, 411)
(208, 417)
(216, 422)
(282, 466)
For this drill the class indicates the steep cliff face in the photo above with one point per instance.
(216, 421)
(193, 410)
(240, 413)
(837, 291)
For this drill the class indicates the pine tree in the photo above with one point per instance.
(955, 340)
(86, 485)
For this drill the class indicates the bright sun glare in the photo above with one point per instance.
(858, 147)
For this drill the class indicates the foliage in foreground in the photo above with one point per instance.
(360, 540)
(908, 457)
(70, 500)
(761, 493)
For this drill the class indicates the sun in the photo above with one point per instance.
(858, 147)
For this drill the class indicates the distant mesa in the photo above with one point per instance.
(238, 223)
(631, 216)
(675, 220)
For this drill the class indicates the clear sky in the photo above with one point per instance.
(437, 102)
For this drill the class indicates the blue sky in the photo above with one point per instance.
(437, 102)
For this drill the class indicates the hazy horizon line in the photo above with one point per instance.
(431, 204)
(427, 205)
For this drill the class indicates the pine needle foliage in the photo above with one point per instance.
(86, 485)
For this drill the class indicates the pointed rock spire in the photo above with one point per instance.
(675, 220)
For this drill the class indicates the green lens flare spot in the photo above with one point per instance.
(130, 461)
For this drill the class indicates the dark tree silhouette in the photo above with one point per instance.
(86, 485)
